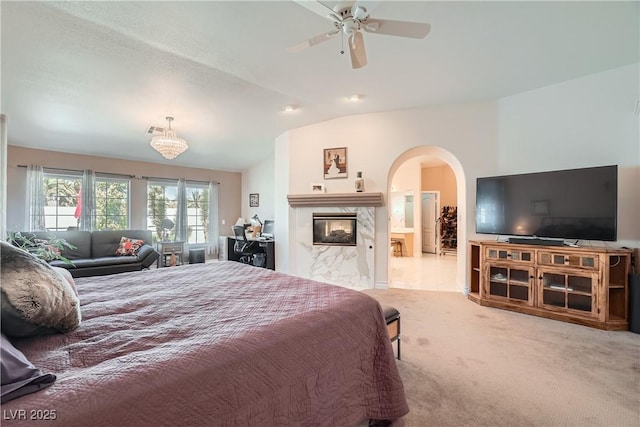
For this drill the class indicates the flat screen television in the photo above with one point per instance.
(579, 204)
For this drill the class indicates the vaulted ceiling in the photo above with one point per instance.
(91, 77)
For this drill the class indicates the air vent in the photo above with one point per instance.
(153, 129)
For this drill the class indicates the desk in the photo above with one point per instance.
(167, 249)
(267, 246)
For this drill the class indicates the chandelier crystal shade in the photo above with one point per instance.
(168, 144)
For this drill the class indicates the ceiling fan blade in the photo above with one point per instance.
(356, 50)
(313, 41)
(319, 8)
(415, 30)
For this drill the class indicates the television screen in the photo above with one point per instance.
(569, 204)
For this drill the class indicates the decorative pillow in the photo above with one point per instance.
(35, 298)
(129, 246)
(19, 376)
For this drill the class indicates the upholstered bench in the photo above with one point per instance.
(392, 317)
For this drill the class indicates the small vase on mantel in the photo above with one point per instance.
(359, 183)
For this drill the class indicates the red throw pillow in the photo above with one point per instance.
(129, 246)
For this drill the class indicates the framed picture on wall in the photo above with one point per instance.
(335, 162)
(254, 200)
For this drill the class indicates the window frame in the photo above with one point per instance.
(73, 175)
(111, 178)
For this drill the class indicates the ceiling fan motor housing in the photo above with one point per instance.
(350, 19)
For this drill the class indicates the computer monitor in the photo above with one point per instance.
(267, 229)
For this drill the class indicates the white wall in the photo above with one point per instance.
(375, 141)
(254, 180)
(282, 213)
(580, 123)
(584, 122)
(3, 176)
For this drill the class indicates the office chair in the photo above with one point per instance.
(243, 247)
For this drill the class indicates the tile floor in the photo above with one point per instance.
(427, 272)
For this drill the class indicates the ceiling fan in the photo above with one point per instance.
(351, 18)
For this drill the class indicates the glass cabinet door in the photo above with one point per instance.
(513, 284)
(498, 281)
(568, 291)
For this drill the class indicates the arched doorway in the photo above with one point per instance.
(407, 170)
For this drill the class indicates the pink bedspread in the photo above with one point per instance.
(216, 344)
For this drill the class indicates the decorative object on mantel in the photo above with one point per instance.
(335, 162)
(254, 200)
(167, 142)
(359, 183)
(335, 199)
(317, 188)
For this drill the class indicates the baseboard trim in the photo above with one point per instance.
(381, 285)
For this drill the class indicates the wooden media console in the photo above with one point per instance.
(584, 285)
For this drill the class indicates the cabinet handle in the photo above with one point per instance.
(540, 278)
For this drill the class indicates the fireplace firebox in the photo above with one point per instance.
(334, 229)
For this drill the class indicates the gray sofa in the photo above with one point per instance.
(95, 251)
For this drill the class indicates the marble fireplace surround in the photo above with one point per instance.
(348, 266)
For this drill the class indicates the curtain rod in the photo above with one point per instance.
(80, 171)
(158, 178)
(130, 176)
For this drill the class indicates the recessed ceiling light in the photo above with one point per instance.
(354, 98)
(289, 108)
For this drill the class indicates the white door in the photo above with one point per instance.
(429, 227)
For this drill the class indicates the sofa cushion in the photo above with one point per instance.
(35, 299)
(94, 262)
(129, 246)
(104, 243)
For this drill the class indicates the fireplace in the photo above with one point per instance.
(334, 229)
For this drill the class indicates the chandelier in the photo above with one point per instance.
(168, 144)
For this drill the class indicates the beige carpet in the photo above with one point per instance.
(467, 365)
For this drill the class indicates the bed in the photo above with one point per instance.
(215, 344)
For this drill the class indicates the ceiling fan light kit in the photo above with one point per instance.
(168, 144)
(351, 20)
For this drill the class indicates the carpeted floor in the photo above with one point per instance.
(467, 365)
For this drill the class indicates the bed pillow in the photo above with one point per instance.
(66, 275)
(19, 376)
(129, 247)
(35, 298)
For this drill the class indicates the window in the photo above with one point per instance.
(62, 193)
(162, 208)
(197, 213)
(112, 204)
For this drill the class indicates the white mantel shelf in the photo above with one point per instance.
(335, 199)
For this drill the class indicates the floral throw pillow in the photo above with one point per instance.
(129, 246)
